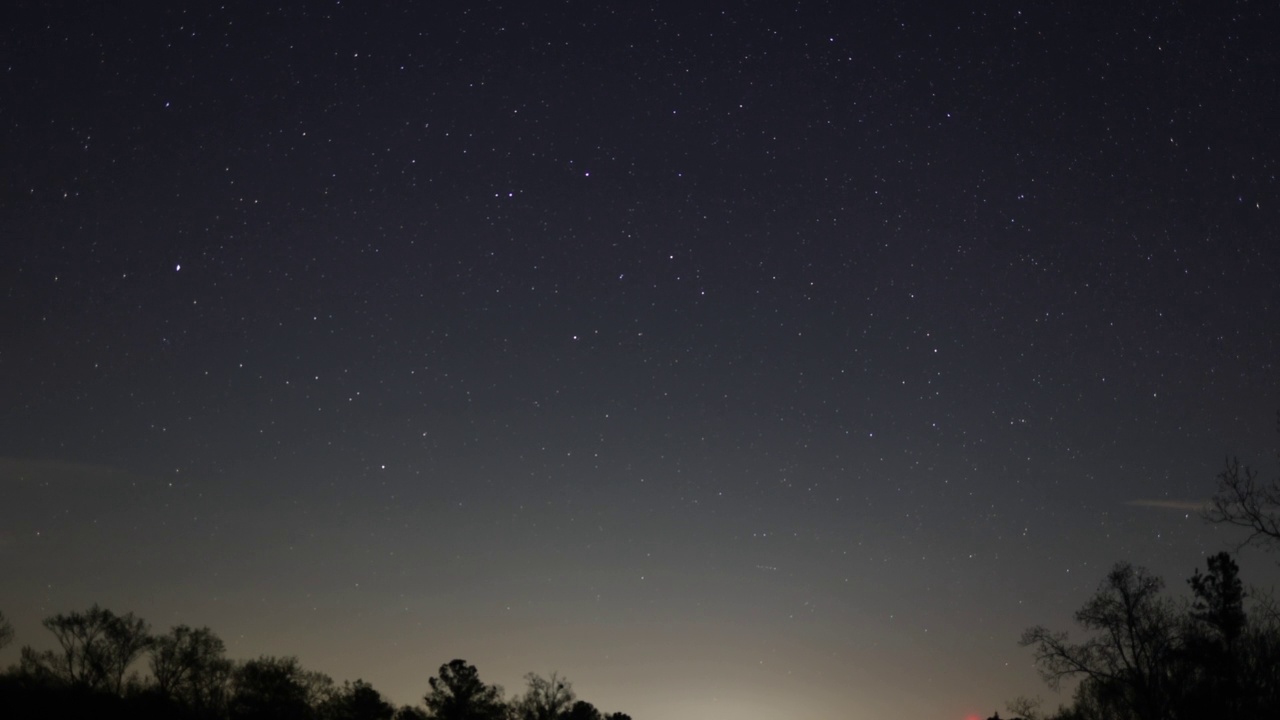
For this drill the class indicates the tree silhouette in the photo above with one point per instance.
(408, 712)
(357, 701)
(275, 688)
(1024, 708)
(458, 694)
(1126, 661)
(545, 698)
(188, 666)
(96, 648)
(1245, 501)
(1215, 624)
(582, 710)
(1148, 657)
(89, 675)
(1219, 597)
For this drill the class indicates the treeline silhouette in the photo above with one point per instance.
(1148, 656)
(1144, 655)
(107, 665)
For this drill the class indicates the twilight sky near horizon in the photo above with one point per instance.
(736, 360)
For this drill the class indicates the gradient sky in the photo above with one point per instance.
(749, 360)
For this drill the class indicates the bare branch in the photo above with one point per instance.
(1243, 501)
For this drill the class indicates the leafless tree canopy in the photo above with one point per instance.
(1133, 634)
(95, 648)
(1245, 501)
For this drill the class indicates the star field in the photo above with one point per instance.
(759, 360)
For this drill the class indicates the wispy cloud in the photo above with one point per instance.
(1179, 505)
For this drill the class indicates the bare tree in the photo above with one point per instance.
(356, 701)
(546, 698)
(276, 687)
(96, 648)
(1025, 708)
(1244, 501)
(189, 666)
(1127, 658)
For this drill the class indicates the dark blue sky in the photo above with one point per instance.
(753, 359)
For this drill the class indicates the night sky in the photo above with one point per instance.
(751, 360)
